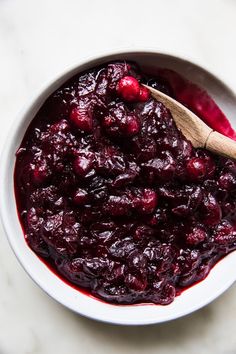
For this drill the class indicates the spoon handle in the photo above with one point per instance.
(221, 145)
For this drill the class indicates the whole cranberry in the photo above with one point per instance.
(81, 119)
(132, 125)
(144, 94)
(128, 88)
(210, 165)
(227, 181)
(196, 168)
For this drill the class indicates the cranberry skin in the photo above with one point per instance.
(135, 283)
(211, 211)
(210, 167)
(144, 94)
(118, 205)
(61, 231)
(132, 126)
(83, 164)
(119, 121)
(225, 234)
(227, 181)
(108, 121)
(41, 173)
(61, 126)
(81, 119)
(80, 197)
(128, 88)
(196, 168)
(195, 237)
(143, 232)
(147, 203)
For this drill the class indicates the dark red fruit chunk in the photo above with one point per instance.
(227, 181)
(83, 164)
(81, 119)
(81, 197)
(196, 168)
(196, 236)
(61, 231)
(147, 202)
(132, 126)
(225, 234)
(41, 172)
(118, 205)
(135, 283)
(211, 211)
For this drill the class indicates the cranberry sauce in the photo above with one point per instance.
(112, 195)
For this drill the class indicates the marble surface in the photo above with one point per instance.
(37, 39)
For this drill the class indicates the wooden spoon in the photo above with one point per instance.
(194, 129)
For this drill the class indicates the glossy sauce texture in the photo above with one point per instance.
(114, 198)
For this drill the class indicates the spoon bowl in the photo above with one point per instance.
(194, 129)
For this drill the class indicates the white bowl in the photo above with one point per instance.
(220, 277)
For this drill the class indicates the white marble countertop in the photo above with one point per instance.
(37, 39)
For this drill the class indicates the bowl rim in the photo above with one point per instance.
(44, 92)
